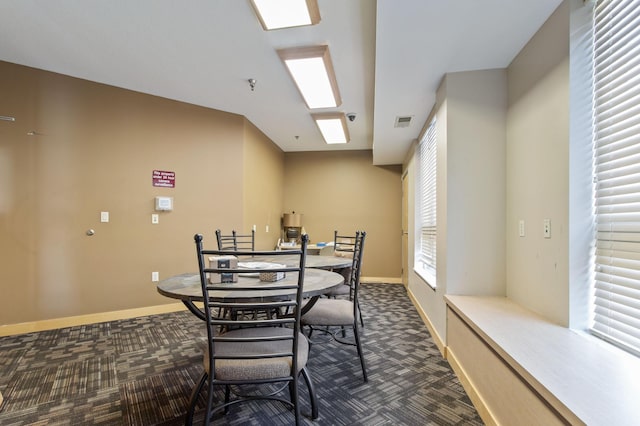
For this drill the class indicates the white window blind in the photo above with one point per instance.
(616, 287)
(425, 262)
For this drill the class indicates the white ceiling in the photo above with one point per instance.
(389, 56)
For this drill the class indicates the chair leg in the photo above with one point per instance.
(188, 421)
(313, 399)
(356, 335)
(207, 414)
(227, 398)
(293, 392)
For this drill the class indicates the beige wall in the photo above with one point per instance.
(470, 121)
(264, 185)
(505, 137)
(343, 191)
(95, 149)
(538, 171)
(475, 144)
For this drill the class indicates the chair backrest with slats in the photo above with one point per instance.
(270, 308)
(245, 242)
(343, 245)
(236, 241)
(356, 266)
(225, 242)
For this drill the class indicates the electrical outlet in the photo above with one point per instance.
(155, 218)
(155, 277)
(547, 228)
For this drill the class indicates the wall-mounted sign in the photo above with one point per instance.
(164, 178)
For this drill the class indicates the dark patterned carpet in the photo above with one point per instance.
(141, 372)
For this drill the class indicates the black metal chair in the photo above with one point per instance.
(329, 312)
(235, 241)
(344, 246)
(261, 350)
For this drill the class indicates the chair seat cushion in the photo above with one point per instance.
(330, 312)
(262, 368)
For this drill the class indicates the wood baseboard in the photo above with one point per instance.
(51, 324)
(473, 394)
(434, 334)
(380, 280)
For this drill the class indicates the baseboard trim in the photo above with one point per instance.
(51, 324)
(432, 330)
(380, 280)
(473, 394)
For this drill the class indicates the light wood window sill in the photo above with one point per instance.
(576, 373)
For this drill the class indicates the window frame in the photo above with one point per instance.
(426, 218)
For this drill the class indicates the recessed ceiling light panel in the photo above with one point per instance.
(333, 127)
(312, 71)
(276, 14)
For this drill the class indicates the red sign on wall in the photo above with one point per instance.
(164, 179)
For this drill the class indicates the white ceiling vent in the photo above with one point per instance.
(403, 121)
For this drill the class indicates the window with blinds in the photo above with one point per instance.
(616, 286)
(425, 258)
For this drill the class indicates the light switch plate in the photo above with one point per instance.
(155, 219)
(104, 217)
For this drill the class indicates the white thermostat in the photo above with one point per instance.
(164, 204)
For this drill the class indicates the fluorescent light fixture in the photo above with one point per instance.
(333, 127)
(312, 71)
(275, 14)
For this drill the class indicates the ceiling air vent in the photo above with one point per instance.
(403, 121)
